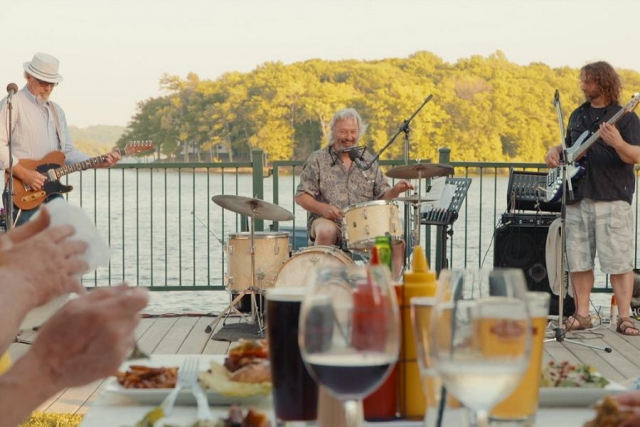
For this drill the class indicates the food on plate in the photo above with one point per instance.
(248, 362)
(609, 414)
(246, 353)
(236, 418)
(565, 374)
(140, 376)
(256, 372)
(218, 379)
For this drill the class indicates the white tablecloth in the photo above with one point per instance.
(113, 410)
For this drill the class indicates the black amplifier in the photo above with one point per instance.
(526, 192)
(528, 220)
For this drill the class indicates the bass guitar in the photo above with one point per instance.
(53, 168)
(575, 168)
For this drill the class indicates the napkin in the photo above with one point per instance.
(97, 253)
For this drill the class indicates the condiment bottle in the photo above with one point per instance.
(613, 313)
(382, 403)
(420, 281)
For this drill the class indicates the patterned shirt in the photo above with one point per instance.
(34, 130)
(326, 179)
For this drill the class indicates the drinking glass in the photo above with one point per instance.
(481, 336)
(349, 333)
(421, 313)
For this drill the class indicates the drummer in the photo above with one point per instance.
(330, 182)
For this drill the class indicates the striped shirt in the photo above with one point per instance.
(34, 130)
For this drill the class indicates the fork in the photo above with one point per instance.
(204, 412)
(165, 408)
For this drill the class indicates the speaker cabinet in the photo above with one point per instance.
(524, 247)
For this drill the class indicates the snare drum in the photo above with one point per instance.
(304, 262)
(363, 222)
(271, 251)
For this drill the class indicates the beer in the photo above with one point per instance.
(295, 393)
(522, 403)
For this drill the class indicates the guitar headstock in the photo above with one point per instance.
(631, 105)
(556, 98)
(135, 147)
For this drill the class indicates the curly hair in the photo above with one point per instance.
(603, 74)
(346, 113)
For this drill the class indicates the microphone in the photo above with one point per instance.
(353, 155)
(12, 88)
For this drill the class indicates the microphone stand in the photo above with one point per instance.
(9, 205)
(404, 127)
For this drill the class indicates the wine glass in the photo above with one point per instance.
(349, 333)
(481, 336)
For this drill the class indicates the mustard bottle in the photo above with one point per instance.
(420, 281)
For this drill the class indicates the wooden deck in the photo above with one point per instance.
(185, 335)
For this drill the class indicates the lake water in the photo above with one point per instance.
(164, 230)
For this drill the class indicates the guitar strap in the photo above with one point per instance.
(57, 123)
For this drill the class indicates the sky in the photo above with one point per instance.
(113, 52)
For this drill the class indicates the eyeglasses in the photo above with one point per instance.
(43, 83)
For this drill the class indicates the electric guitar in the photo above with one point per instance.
(575, 168)
(53, 168)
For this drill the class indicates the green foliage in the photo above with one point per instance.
(483, 108)
(41, 419)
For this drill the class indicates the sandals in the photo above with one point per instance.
(626, 327)
(584, 322)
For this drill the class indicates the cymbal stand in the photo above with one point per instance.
(256, 316)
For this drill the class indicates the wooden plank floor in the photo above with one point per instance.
(185, 335)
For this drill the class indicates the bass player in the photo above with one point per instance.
(599, 218)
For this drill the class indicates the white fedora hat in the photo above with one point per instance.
(44, 67)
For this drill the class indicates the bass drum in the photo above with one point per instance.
(299, 268)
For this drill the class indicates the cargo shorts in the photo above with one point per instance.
(605, 228)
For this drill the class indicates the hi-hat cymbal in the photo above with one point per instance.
(420, 170)
(252, 207)
(415, 199)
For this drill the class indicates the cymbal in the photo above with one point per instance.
(252, 207)
(415, 199)
(420, 170)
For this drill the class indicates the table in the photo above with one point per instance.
(111, 409)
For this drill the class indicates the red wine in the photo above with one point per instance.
(353, 375)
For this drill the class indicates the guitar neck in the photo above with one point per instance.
(580, 152)
(84, 165)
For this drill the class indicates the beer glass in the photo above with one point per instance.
(481, 336)
(519, 409)
(295, 393)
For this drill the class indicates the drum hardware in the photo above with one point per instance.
(253, 208)
(418, 171)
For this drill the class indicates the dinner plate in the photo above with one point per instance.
(154, 396)
(575, 396)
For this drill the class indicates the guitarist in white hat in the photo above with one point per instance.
(39, 128)
(599, 219)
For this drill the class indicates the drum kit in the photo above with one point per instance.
(271, 264)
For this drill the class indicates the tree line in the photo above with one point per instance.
(483, 108)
